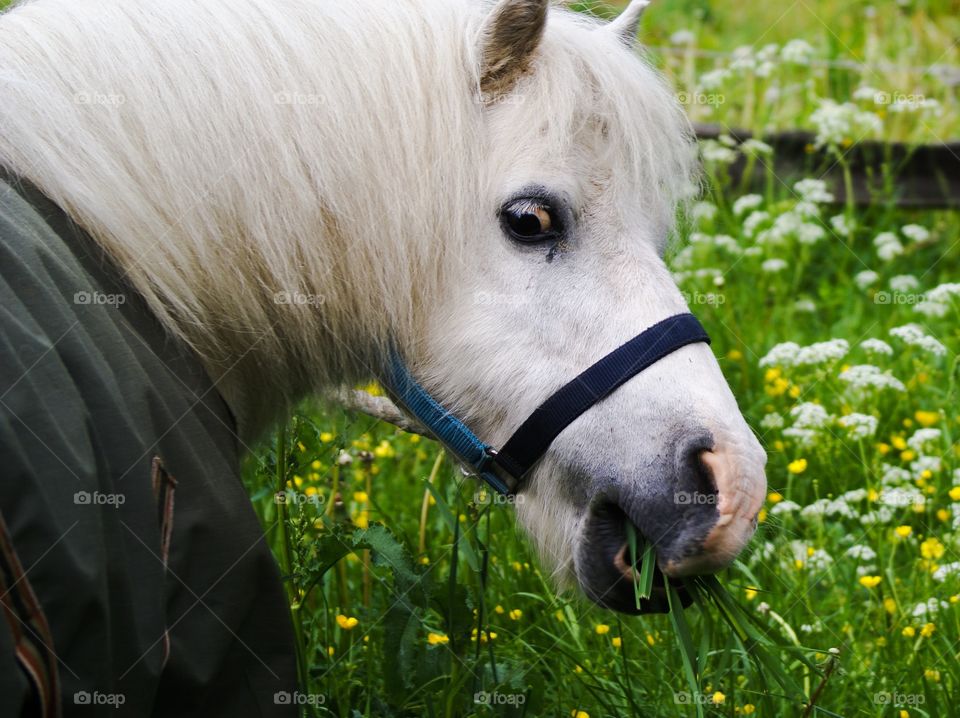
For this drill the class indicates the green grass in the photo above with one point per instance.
(820, 615)
(412, 594)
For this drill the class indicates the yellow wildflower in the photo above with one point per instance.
(903, 531)
(579, 714)
(360, 497)
(748, 709)
(347, 623)
(870, 581)
(326, 437)
(616, 641)
(750, 592)
(909, 632)
(362, 520)
(889, 605)
(908, 455)
(899, 443)
(884, 449)
(774, 498)
(797, 467)
(778, 387)
(735, 355)
(515, 614)
(436, 639)
(932, 674)
(927, 630)
(498, 609)
(718, 698)
(932, 548)
(384, 450)
(926, 418)
(943, 515)
(954, 493)
(602, 628)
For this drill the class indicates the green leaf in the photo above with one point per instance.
(685, 642)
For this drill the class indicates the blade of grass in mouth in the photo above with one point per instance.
(642, 579)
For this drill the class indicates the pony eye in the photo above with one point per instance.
(529, 220)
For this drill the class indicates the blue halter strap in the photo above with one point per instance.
(533, 438)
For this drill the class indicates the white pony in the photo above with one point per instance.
(294, 186)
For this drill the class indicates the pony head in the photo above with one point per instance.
(587, 157)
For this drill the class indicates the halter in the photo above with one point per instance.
(533, 438)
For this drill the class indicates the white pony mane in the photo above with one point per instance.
(227, 150)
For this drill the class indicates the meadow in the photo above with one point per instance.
(837, 327)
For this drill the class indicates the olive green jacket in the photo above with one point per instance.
(134, 576)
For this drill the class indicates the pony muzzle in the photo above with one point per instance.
(699, 520)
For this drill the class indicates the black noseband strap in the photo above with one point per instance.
(535, 435)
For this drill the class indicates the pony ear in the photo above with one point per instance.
(626, 24)
(510, 35)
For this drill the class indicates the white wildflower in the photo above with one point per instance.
(946, 571)
(914, 335)
(810, 233)
(772, 421)
(752, 223)
(916, 233)
(902, 496)
(813, 190)
(784, 507)
(754, 146)
(861, 552)
(882, 515)
(921, 439)
(904, 283)
(842, 225)
(863, 376)
(860, 426)
(774, 265)
(797, 51)
(876, 346)
(854, 495)
(703, 211)
(810, 416)
(713, 80)
(713, 151)
(894, 475)
(888, 246)
(746, 203)
(866, 94)
(792, 354)
(865, 278)
(840, 124)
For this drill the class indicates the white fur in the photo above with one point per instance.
(375, 190)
